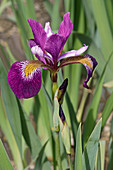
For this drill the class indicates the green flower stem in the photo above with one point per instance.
(58, 157)
(70, 161)
(57, 142)
(54, 88)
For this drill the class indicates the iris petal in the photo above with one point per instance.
(38, 32)
(24, 78)
(32, 43)
(54, 45)
(33, 47)
(73, 53)
(66, 26)
(88, 61)
(89, 70)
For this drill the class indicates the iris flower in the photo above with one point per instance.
(24, 77)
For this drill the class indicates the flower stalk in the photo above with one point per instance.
(54, 88)
(58, 157)
(56, 125)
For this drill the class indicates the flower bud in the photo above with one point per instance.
(65, 133)
(62, 90)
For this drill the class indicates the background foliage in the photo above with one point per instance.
(93, 25)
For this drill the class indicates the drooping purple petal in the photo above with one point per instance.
(88, 61)
(24, 78)
(38, 32)
(66, 26)
(89, 70)
(54, 45)
(48, 29)
(73, 53)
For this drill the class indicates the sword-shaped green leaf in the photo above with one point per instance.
(5, 163)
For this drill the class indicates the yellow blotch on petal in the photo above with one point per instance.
(87, 61)
(30, 68)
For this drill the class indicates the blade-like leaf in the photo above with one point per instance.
(11, 106)
(28, 132)
(6, 128)
(107, 110)
(43, 117)
(100, 14)
(102, 153)
(5, 163)
(23, 25)
(78, 156)
(89, 155)
(48, 6)
(110, 165)
(89, 15)
(109, 10)
(92, 112)
(56, 19)
(42, 162)
(100, 159)
(101, 19)
(73, 120)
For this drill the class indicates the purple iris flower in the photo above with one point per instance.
(24, 77)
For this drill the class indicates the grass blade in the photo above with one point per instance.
(4, 160)
(42, 162)
(56, 19)
(102, 153)
(107, 110)
(92, 112)
(6, 128)
(101, 19)
(78, 156)
(28, 132)
(89, 155)
(11, 106)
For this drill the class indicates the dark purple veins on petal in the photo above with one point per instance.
(54, 44)
(24, 87)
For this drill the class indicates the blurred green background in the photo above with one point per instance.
(26, 125)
